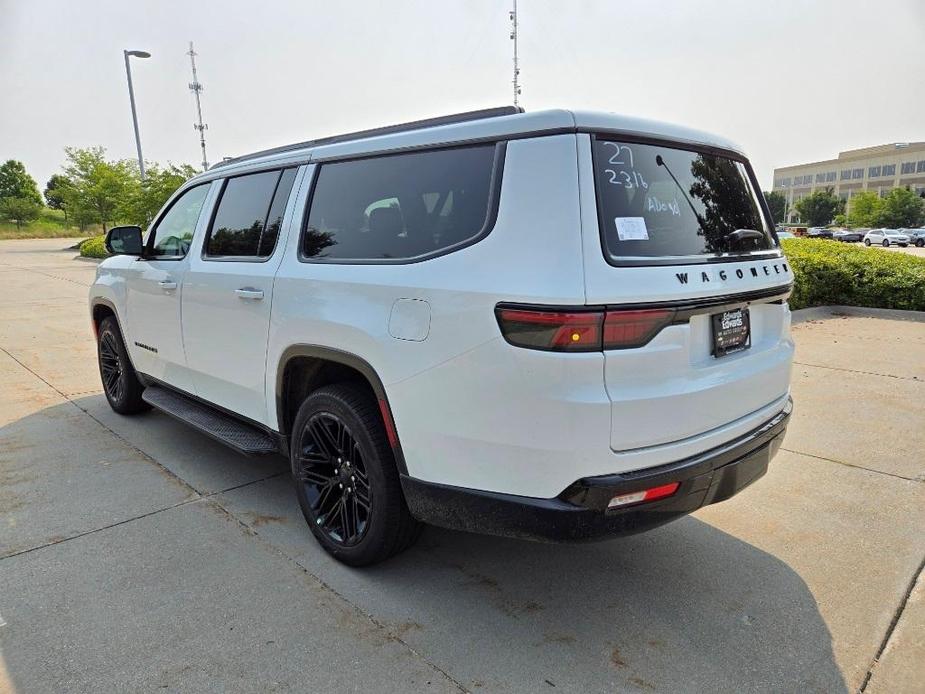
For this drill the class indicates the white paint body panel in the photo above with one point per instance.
(470, 409)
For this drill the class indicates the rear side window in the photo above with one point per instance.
(401, 206)
(659, 202)
(249, 215)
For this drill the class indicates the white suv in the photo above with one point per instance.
(886, 237)
(553, 325)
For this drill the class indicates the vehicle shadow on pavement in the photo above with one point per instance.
(686, 607)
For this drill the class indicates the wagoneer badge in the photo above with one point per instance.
(739, 273)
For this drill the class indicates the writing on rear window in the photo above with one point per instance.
(666, 202)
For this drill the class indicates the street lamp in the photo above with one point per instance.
(131, 96)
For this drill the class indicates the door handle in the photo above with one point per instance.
(167, 285)
(248, 293)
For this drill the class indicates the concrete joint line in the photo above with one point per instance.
(855, 371)
(857, 467)
(916, 577)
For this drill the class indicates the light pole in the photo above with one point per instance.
(131, 96)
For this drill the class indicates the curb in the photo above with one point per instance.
(827, 312)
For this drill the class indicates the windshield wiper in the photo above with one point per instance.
(700, 221)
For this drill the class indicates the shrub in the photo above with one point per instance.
(826, 272)
(94, 247)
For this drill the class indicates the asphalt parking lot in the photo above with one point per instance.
(138, 555)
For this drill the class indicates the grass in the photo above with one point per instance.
(50, 224)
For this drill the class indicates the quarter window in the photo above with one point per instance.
(400, 206)
(249, 215)
(170, 239)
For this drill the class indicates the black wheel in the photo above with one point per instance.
(121, 385)
(886, 243)
(866, 242)
(345, 477)
(903, 245)
(920, 243)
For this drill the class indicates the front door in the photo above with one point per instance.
(229, 289)
(154, 288)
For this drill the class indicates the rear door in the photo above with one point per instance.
(229, 291)
(683, 235)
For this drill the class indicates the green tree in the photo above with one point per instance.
(902, 208)
(19, 210)
(819, 208)
(864, 209)
(153, 192)
(56, 193)
(98, 187)
(16, 183)
(777, 202)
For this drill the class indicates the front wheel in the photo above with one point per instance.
(866, 242)
(920, 243)
(120, 383)
(346, 479)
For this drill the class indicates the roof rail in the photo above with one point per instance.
(374, 132)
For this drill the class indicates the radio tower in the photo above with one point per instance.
(516, 80)
(196, 88)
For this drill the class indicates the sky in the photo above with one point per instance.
(790, 81)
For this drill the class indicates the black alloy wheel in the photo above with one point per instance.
(120, 383)
(333, 472)
(345, 476)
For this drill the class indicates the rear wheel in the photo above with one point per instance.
(920, 243)
(120, 383)
(346, 479)
(886, 243)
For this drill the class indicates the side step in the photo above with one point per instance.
(221, 427)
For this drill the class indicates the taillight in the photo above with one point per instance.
(625, 329)
(581, 331)
(558, 331)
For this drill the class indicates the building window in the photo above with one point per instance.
(846, 174)
(921, 167)
(908, 167)
(830, 176)
(857, 173)
(820, 178)
(786, 182)
(889, 169)
(873, 172)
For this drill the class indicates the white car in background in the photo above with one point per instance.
(886, 238)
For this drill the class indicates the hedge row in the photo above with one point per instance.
(827, 272)
(94, 247)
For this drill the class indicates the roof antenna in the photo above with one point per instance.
(516, 80)
(196, 88)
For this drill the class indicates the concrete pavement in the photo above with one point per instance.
(136, 554)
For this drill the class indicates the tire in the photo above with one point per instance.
(886, 243)
(903, 245)
(120, 382)
(920, 243)
(346, 479)
(866, 242)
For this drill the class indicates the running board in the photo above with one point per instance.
(245, 438)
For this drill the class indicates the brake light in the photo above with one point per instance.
(581, 331)
(559, 331)
(624, 329)
(651, 494)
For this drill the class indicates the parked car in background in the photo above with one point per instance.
(820, 233)
(886, 238)
(848, 236)
(785, 235)
(916, 236)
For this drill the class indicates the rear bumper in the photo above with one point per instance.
(580, 511)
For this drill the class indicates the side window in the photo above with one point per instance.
(249, 214)
(173, 233)
(400, 206)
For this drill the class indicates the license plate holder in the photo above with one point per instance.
(731, 331)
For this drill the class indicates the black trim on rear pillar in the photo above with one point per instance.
(580, 511)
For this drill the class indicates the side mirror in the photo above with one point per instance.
(124, 240)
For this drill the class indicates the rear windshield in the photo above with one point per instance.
(658, 202)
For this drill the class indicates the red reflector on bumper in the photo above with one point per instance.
(643, 495)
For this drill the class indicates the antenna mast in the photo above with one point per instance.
(516, 80)
(196, 88)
